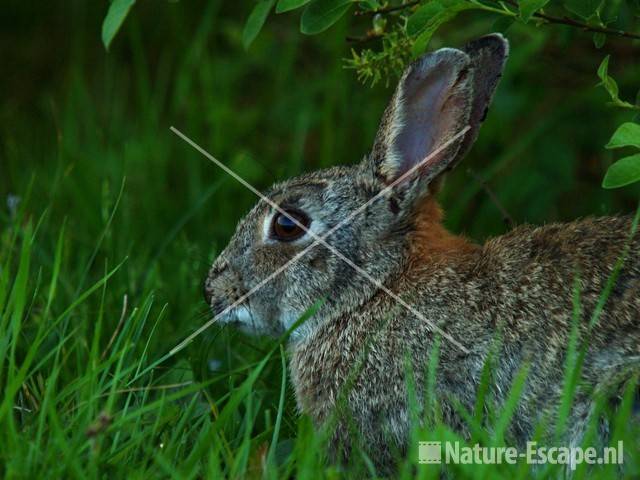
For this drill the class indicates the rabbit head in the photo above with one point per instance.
(438, 96)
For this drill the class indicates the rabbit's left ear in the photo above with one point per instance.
(440, 95)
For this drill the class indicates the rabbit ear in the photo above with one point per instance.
(438, 96)
(488, 56)
(430, 105)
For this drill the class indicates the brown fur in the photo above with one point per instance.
(430, 241)
(519, 286)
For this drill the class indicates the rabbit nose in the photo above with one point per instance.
(216, 305)
(207, 285)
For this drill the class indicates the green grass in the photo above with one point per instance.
(79, 400)
(102, 260)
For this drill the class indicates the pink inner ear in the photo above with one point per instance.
(431, 108)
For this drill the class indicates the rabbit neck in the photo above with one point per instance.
(428, 244)
(430, 240)
(321, 360)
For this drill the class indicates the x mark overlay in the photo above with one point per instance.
(319, 240)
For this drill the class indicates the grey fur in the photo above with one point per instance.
(518, 287)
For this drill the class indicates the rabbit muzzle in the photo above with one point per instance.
(223, 292)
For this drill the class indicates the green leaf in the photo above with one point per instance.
(371, 4)
(603, 69)
(288, 5)
(583, 8)
(429, 17)
(529, 7)
(623, 172)
(421, 43)
(118, 11)
(502, 24)
(611, 86)
(256, 20)
(425, 17)
(627, 135)
(599, 39)
(321, 14)
(608, 82)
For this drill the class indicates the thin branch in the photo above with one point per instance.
(575, 23)
(508, 219)
(542, 16)
(368, 37)
(584, 26)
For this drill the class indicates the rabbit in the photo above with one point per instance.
(349, 362)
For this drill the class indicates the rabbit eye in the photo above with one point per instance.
(284, 227)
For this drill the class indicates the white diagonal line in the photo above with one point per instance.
(319, 240)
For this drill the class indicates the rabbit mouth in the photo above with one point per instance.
(238, 314)
(246, 321)
(240, 317)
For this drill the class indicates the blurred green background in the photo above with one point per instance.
(85, 143)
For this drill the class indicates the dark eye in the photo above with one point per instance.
(285, 228)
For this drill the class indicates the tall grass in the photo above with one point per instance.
(79, 401)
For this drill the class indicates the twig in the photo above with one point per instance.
(542, 16)
(575, 23)
(368, 37)
(508, 219)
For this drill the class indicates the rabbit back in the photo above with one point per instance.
(519, 288)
